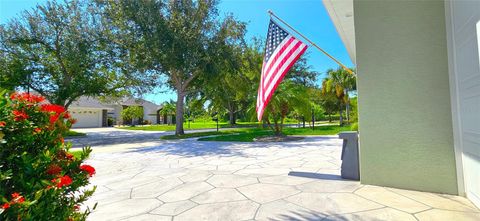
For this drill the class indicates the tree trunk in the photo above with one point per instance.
(232, 118)
(231, 112)
(179, 112)
(265, 123)
(347, 111)
(329, 117)
(341, 116)
(277, 128)
(347, 107)
(281, 124)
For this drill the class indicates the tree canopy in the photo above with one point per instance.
(339, 83)
(287, 98)
(131, 113)
(185, 40)
(62, 51)
(117, 47)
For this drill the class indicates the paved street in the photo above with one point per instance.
(108, 136)
(140, 177)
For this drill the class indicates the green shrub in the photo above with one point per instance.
(110, 121)
(39, 179)
(354, 126)
(131, 113)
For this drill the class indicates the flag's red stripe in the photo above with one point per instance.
(262, 102)
(269, 96)
(285, 59)
(276, 56)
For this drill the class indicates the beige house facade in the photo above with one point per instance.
(91, 112)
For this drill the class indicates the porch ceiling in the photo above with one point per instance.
(341, 13)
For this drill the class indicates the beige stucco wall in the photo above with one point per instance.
(405, 120)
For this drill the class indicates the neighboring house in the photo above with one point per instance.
(90, 112)
(418, 71)
(150, 111)
(166, 119)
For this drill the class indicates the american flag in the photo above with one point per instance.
(282, 50)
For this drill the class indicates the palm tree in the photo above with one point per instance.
(168, 109)
(288, 97)
(340, 82)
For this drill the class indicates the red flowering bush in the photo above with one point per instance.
(39, 179)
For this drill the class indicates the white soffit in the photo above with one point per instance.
(341, 14)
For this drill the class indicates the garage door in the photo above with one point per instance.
(465, 32)
(87, 118)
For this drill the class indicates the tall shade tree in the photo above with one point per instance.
(60, 51)
(301, 73)
(340, 83)
(194, 104)
(231, 88)
(329, 103)
(181, 39)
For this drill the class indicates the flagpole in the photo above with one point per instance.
(311, 42)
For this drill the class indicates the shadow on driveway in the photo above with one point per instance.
(192, 147)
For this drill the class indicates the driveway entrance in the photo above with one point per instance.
(152, 179)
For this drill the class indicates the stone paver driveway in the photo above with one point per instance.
(192, 180)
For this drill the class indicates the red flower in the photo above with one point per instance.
(2, 123)
(37, 130)
(54, 169)
(26, 97)
(72, 120)
(54, 118)
(69, 156)
(20, 115)
(66, 115)
(87, 168)
(52, 108)
(57, 110)
(17, 198)
(20, 199)
(15, 195)
(63, 181)
(6, 206)
(76, 207)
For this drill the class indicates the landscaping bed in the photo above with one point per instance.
(249, 135)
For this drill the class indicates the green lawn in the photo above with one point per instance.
(319, 130)
(247, 135)
(72, 133)
(193, 126)
(240, 136)
(76, 153)
(205, 125)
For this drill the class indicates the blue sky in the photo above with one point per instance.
(307, 16)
